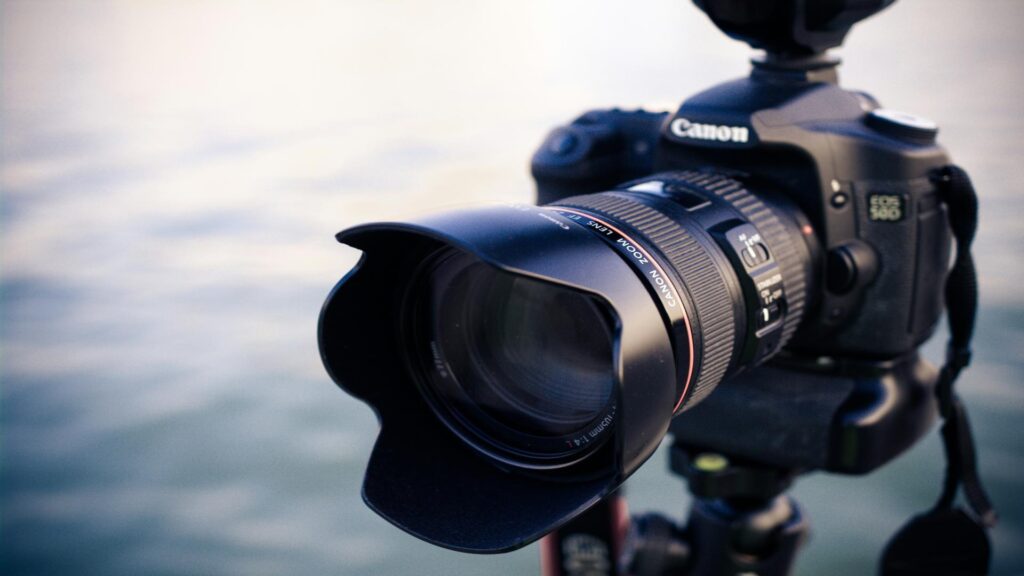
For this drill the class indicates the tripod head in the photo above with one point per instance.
(793, 33)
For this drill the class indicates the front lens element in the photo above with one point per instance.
(526, 366)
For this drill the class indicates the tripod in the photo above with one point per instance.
(842, 417)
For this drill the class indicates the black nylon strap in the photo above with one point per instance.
(946, 539)
(958, 194)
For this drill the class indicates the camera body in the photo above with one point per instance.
(860, 174)
(524, 361)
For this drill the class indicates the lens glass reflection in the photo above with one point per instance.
(519, 360)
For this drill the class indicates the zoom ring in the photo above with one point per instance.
(715, 325)
(778, 238)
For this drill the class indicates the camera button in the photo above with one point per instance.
(754, 255)
(902, 125)
(562, 143)
(747, 244)
(769, 314)
(848, 265)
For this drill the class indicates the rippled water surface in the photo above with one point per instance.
(172, 176)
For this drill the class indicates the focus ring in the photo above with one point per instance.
(778, 238)
(701, 276)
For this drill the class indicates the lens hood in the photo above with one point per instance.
(423, 477)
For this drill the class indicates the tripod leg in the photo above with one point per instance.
(590, 544)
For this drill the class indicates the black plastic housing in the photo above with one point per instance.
(848, 418)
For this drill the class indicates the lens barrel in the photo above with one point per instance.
(734, 266)
(518, 351)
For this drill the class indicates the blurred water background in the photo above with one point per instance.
(173, 173)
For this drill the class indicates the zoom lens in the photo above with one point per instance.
(525, 360)
(524, 370)
(518, 367)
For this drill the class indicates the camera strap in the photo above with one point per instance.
(947, 539)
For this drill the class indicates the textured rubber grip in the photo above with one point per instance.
(703, 280)
(776, 236)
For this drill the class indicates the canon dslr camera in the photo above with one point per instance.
(525, 360)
